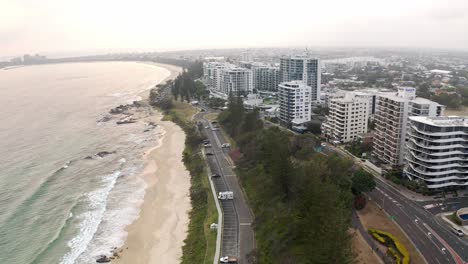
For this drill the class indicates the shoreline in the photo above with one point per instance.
(157, 234)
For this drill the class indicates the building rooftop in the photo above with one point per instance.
(421, 100)
(293, 84)
(442, 121)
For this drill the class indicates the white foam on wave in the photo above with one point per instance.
(123, 94)
(123, 207)
(90, 220)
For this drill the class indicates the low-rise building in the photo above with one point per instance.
(437, 151)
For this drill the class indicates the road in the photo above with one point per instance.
(431, 236)
(238, 235)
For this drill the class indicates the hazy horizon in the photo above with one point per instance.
(54, 27)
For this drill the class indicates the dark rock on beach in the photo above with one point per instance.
(102, 154)
(103, 259)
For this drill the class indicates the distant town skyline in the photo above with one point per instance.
(53, 26)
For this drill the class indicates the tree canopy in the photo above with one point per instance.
(301, 200)
(362, 181)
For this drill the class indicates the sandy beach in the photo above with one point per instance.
(157, 235)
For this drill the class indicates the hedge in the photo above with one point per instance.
(392, 241)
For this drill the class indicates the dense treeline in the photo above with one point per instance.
(194, 67)
(186, 87)
(301, 200)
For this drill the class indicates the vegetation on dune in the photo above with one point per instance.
(301, 200)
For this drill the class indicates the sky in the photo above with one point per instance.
(61, 26)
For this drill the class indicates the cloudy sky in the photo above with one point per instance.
(57, 26)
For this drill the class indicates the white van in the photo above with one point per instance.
(225, 195)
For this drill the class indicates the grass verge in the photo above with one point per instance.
(200, 244)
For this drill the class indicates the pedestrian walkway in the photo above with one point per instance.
(358, 225)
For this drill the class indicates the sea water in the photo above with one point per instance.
(59, 201)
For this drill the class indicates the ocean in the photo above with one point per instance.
(60, 201)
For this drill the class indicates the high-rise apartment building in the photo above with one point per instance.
(347, 118)
(302, 68)
(237, 81)
(391, 119)
(212, 72)
(265, 77)
(437, 151)
(295, 103)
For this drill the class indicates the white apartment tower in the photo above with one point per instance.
(295, 102)
(391, 119)
(302, 68)
(236, 80)
(212, 71)
(437, 151)
(347, 118)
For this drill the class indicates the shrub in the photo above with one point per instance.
(455, 218)
(391, 242)
(395, 255)
(360, 202)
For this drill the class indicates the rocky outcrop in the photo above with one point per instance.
(103, 259)
(102, 154)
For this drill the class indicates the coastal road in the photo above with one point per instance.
(431, 236)
(238, 236)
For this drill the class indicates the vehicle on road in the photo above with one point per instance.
(228, 259)
(215, 129)
(207, 127)
(206, 141)
(457, 231)
(214, 122)
(209, 154)
(215, 175)
(323, 144)
(208, 145)
(226, 145)
(225, 195)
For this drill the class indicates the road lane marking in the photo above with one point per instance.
(454, 254)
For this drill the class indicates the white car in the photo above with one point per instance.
(226, 145)
(457, 231)
(323, 144)
(214, 129)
